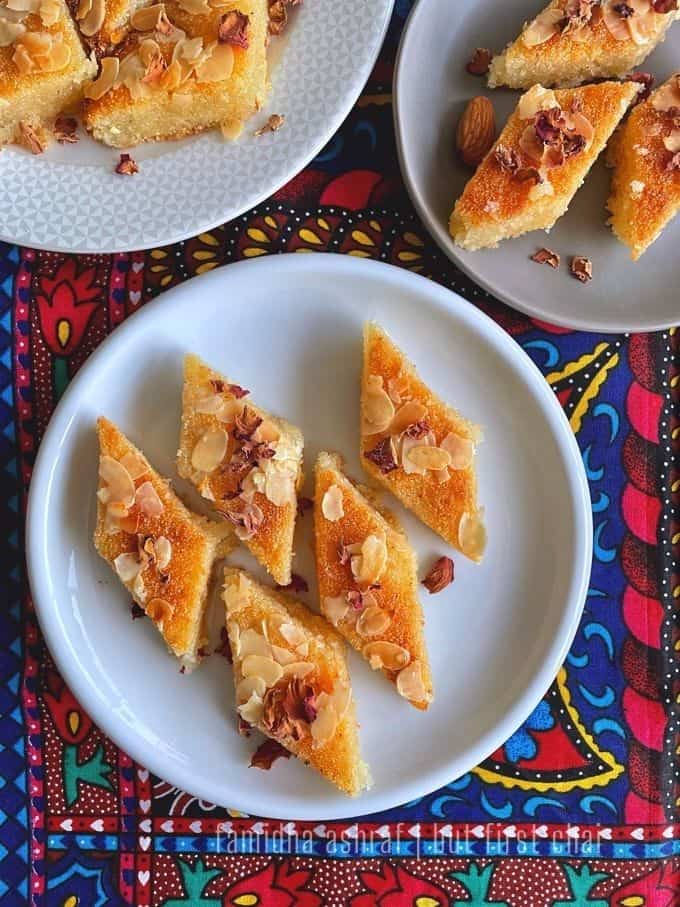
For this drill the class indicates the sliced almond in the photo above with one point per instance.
(387, 655)
(127, 566)
(108, 73)
(218, 64)
(331, 504)
(210, 450)
(210, 404)
(461, 450)
(148, 500)
(334, 609)
(378, 409)
(668, 95)
(134, 465)
(472, 535)
(410, 683)
(373, 621)
(408, 414)
(672, 142)
(163, 550)
(292, 634)
(425, 457)
(248, 686)
(262, 666)
(194, 7)
(537, 98)
(94, 19)
(158, 609)
(254, 643)
(369, 566)
(138, 588)
(283, 656)
(266, 432)
(10, 31)
(545, 26)
(279, 485)
(326, 722)
(118, 480)
(148, 17)
(251, 711)
(50, 12)
(340, 698)
(298, 669)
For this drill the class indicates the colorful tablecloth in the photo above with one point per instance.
(580, 806)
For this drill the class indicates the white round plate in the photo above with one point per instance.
(289, 329)
(623, 295)
(70, 199)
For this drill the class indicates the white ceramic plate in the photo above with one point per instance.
(70, 199)
(623, 295)
(289, 328)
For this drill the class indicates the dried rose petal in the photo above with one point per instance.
(546, 257)
(236, 390)
(246, 424)
(383, 455)
(624, 11)
(529, 174)
(136, 612)
(34, 141)
(646, 83)
(65, 130)
(664, 6)
(224, 647)
(244, 728)
(573, 144)
(507, 159)
(440, 575)
(274, 123)
(297, 584)
(548, 125)
(233, 29)
(267, 753)
(303, 505)
(355, 599)
(418, 430)
(278, 16)
(478, 65)
(673, 162)
(126, 166)
(581, 268)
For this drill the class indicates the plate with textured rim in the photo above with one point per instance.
(71, 200)
(496, 636)
(623, 295)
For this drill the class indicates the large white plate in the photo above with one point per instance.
(70, 199)
(289, 328)
(624, 295)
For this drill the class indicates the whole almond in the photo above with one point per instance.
(476, 131)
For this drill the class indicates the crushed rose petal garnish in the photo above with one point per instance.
(233, 29)
(65, 130)
(273, 124)
(546, 257)
(440, 575)
(267, 753)
(478, 65)
(35, 143)
(126, 166)
(236, 389)
(581, 268)
(507, 159)
(383, 455)
(303, 505)
(136, 612)
(244, 728)
(224, 647)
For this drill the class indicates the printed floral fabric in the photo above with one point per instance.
(580, 806)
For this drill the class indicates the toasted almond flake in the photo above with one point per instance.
(148, 17)
(127, 566)
(410, 683)
(373, 621)
(194, 7)
(148, 500)
(334, 608)
(210, 450)
(406, 445)
(292, 634)
(460, 449)
(266, 432)
(369, 566)
(426, 457)
(262, 666)
(119, 483)
(340, 698)
(50, 12)
(248, 686)
(672, 142)
(408, 414)
(537, 98)
(387, 655)
(283, 656)
(163, 550)
(108, 73)
(134, 465)
(251, 711)
(325, 724)
(159, 609)
(279, 485)
(94, 19)
(217, 65)
(378, 408)
(637, 187)
(209, 404)
(472, 535)
(545, 26)
(10, 31)
(138, 588)
(331, 504)
(298, 669)
(254, 643)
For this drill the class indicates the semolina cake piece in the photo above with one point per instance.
(178, 73)
(161, 552)
(291, 679)
(368, 585)
(576, 41)
(243, 460)
(645, 155)
(419, 448)
(42, 69)
(539, 161)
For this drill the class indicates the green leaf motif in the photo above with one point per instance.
(94, 770)
(581, 883)
(477, 881)
(195, 879)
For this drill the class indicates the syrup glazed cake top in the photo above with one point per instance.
(576, 41)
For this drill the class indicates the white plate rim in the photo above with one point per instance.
(440, 233)
(297, 164)
(444, 299)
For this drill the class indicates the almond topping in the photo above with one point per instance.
(119, 484)
(218, 64)
(667, 96)
(159, 609)
(194, 7)
(425, 457)
(134, 465)
(210, 404)
(378, 409)
(108, 73)
(10, 31)
(472, 535)
(148, 500)
(461, 450)
(544, 27)
(163, 551)
(262, 666)
(373, 621)
(292, 634)
(94, 19)
(210, 450)
(298, 669)
(334, 608)
(148, 17)
(410, 683)
(283, 656)
(369, 566)
(387, 655)
(127, 566)
(248, 686)
(476, 131)
(537, 98)
(253, 643)
(279, 485)
(331, 504)
(252, 710)
(409, 414)
(341, 698)
(672, 142)
(326, 721)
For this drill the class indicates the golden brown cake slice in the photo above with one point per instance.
(291, 679)
(183, 68)
(245, 461)
(159, 550)
(645, 154)
(575, 41)
(419, 448)
(540, 159)
(368, 587)
(42, 68)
